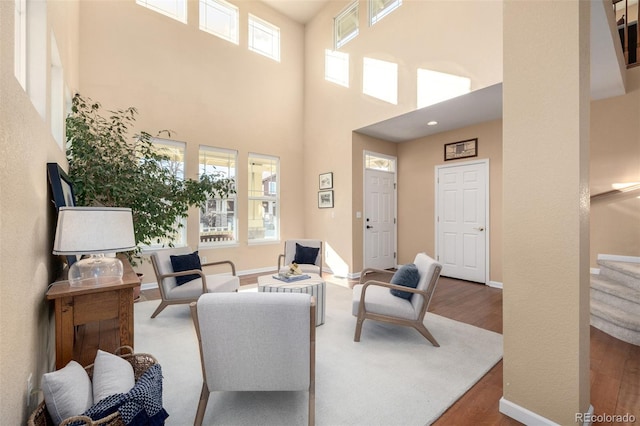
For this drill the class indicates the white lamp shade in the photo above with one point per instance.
(93, 230)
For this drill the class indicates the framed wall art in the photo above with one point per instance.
(325, 199)
(326, 180)
(462, 149)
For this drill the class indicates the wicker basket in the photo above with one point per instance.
(139, 362)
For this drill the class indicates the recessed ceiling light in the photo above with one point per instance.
(432, 123)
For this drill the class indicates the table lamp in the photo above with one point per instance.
(94, 231)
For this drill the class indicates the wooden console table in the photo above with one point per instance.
(80, 305)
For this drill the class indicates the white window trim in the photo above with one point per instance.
(339, 43)
(275, 35)
(221, 5)
(236, 242)
(181, 17)
(258, 241)
(374, 19)
(20, 42)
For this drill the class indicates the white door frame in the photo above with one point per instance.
(487, 271)
(364, 204)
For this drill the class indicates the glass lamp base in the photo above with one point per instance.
(95, 270)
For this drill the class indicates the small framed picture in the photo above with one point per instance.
(462, 149)
(325, 199)
(326, 180)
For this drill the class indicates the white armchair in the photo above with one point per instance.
(256, 342)
(299, 250)
(172, 293)
(380, 305)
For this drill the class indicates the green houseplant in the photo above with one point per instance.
(109, 167)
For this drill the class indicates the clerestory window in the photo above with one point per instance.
(219, 18)
(378, 9)
(176, 9)
(346, 25)
(264, 38)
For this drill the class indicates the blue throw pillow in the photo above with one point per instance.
(306, 255)
(186, 262)
(408, 276)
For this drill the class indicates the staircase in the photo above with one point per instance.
(615, 300)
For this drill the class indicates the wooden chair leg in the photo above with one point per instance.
(159, 309)
(202, 405)
(423, 330)
(359, 323)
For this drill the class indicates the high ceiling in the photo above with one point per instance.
(299, 10)
(485, 104)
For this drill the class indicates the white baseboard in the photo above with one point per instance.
(523, 415)
(495, 284)
(617, 258)
(528, 417)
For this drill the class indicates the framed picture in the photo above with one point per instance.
(325, 199)
(61, 186)
(62, 192)
(326, 180)
(462, 149)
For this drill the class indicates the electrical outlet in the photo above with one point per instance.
(29, 390)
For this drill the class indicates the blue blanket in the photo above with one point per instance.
(141, 406)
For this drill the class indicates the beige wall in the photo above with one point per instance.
(417, 35)
(26, 214)
(615, 158)
(416, 185)
(207, 91)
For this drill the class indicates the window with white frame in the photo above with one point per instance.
(264, 38)
(380, 79)
(174, 151)
(346, 25)
(219, 18)
(37, 54)
(176, 9)
(57, 94)
(434, 87)
(20, 42)
(336, 67)
(379, 162)
(218, 219)
(378, 9)
(263, 198)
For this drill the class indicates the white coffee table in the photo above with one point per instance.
(314, 285)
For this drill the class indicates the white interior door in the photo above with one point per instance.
(379, 219)
(461, 220)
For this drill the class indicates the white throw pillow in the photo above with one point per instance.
(67, 392)
(111, 375)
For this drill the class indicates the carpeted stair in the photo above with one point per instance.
(615, 300)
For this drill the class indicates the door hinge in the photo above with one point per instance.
(394, 254)
(394, 220)
(394, 185)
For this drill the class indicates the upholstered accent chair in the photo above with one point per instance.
(256, 342)
(173, 292)
(374, 300)
(300, 250)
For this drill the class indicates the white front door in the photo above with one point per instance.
(462, 220)
(379, 219)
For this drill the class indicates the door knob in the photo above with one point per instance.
(369, 226)
(479, 228)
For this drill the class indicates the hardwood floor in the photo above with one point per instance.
(615, 365)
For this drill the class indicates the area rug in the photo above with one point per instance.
(393, 376)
